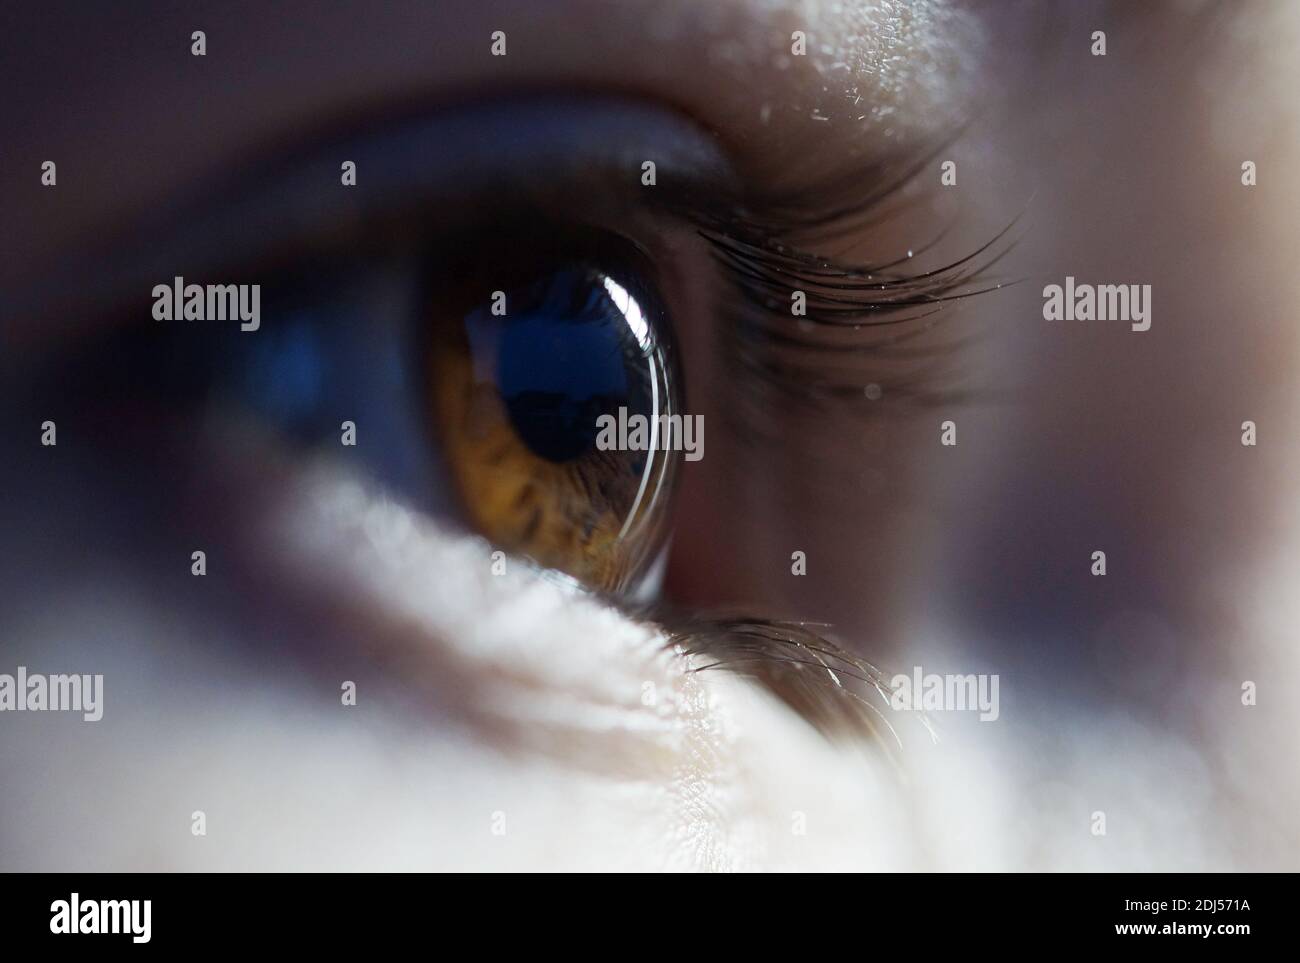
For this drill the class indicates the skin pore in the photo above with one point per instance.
(514, 703)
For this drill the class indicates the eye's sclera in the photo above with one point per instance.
(522, 387)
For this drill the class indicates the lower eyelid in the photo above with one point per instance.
(520, 656)
(541, 673)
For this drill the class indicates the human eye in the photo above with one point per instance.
(464, 340)
(391, 460)
(490, 325)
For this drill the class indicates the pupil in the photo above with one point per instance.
(564, 360)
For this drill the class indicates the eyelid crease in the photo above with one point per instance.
(421, 168)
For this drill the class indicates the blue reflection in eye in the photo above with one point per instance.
(562, 361)
(533, 408)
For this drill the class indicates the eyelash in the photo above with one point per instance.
(865, 325)
(858, 332)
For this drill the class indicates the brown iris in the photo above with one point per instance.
(521, 387)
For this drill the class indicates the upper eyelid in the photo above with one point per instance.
(276, 207)
(417, 163)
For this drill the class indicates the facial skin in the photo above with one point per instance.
(511, 722)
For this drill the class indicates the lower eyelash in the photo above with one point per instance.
(824, 683)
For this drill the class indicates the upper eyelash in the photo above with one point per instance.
(881, 291)
(852, 337)
(861, 319)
